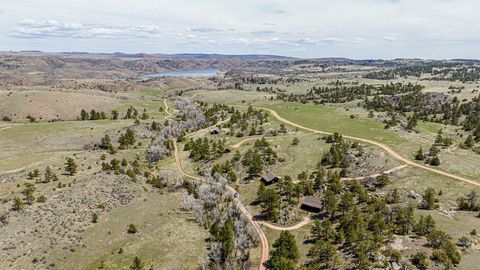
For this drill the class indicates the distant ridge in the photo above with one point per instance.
(207, 56)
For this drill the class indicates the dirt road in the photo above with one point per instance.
(256, 226)
(167, 109)
(304, 222)
(390, 151)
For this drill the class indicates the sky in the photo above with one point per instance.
(357, 29)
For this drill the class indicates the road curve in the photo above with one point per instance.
(251, 138)
(167, 109)
(304, 222)
(390, 151)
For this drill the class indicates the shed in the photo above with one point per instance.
(312, 204)
(269, 178)
(215, 131)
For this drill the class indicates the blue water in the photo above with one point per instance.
(184, 73)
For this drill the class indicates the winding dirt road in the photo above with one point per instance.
(307, 220)
(389, 171)
(256, 226)
(304, 222)
(169, 114)
(390, 151)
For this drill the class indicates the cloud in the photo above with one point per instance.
(307, 41)
(390, 38)
(331, 40)
(51, 28)
(205, 29)
(238, 41)
(263, 32)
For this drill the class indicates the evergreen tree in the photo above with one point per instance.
(28, 192)
(435, 161)
(17, 204)
(324, 256)
(469, 142)
(114, 114)
(70, 166)
(84, 115)
(286, 246)
(137, 264)
(430, 200)
(420, 155)
(227, 237)
(270, 204)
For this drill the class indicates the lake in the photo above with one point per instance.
(183, 73)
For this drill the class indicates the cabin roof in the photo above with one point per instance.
(313, 202)
(215, 130)
(269, 177)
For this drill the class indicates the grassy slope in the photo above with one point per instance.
(334, 119)
(25, 144)
(168, 239)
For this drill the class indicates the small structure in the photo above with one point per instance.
(269, 178)
(215, 131)
(312, 204)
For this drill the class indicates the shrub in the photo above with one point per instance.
(132, 229)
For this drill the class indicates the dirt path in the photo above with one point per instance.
(256, 226)
(3, 128)
(169, 115)
(390, 151)
(238, 144)
(377, 174)
(389, 171)
(305, 221)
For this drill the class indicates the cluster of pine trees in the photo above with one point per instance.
(246, 123)
(341, 153)
(205, 149)
(122, 167)
(255, 158)
(131, 113)
(357, 229)
(342, 94)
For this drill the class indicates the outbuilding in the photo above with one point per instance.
(215, 131)
(312, 204)
(269, 178)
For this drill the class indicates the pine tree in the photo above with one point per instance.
(94, 218)
(227, 237)
(70, 166)
(469, 142)
(17, 204)
(435, 161)
(49, 175)
(419, 155)
(114, 114)
(84, 115)
(28, 192)
(286, 246)
(324, 255)
(295, 141)
(137, 264)
(270, 204)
